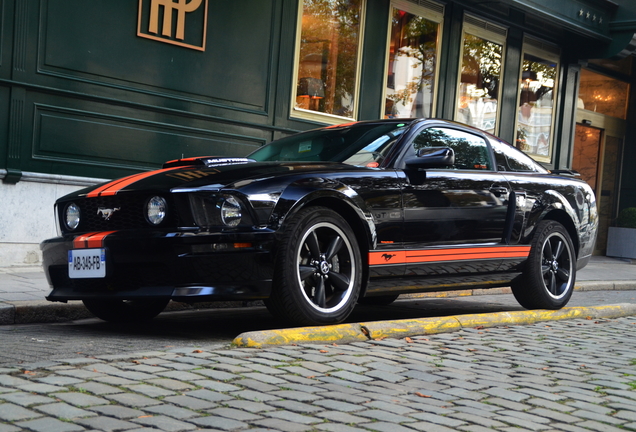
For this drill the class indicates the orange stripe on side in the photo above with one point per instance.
(387, 257)
(442, 255)
(115, 186)
(91, 240)
(462, 256)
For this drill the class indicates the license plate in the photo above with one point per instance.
(86, 263)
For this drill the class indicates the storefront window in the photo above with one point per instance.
(535, 116)
(479, 87)
(412, 66)
(602, 94)
(327, 58)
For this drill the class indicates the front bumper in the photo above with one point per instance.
(179, 266)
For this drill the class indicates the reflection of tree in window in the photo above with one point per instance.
(479, 89)
(328, 56)
(534, 119)
(470, 151)
(411, 75)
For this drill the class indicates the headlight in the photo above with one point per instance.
(219, 211)
(230, 211)
(72, 216)
(156, 210)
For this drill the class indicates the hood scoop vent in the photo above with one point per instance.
(206, 161)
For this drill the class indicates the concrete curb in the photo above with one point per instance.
(347, 333)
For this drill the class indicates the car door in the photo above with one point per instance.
(454, 216)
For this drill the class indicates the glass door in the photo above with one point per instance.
(597, 155)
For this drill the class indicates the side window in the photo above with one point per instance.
(471, 151)
(510, 159)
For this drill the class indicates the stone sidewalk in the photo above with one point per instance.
(573, 376)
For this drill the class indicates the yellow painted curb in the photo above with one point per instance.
(347, 333)
(342, 333)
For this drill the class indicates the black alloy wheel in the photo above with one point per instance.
(548, 280)
(318, 269)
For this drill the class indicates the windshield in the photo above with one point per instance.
(360, 144)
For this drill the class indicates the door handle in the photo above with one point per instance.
(498, 191)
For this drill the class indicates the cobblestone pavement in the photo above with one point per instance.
(574, 375)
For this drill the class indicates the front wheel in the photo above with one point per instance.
(125, 311)
(548, 279)
(318, 269)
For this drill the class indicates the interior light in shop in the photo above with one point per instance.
(529, 76)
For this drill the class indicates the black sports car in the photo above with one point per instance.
(319, 221)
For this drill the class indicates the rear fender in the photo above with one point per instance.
(581, 222)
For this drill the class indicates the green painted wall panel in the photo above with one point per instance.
(83, 137)
(373, 78)
(86, 138)
(5, 40)
(5, 97)
(98, 41)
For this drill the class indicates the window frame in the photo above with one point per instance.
(551, 53)
(410, 148)
(425, 12)
(479, 27)
(316, 116)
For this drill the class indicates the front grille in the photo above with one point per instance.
(128, 212)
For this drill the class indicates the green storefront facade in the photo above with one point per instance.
(101, 89)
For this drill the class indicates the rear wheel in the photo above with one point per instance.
(318, 269)
(548, 279)
(125, 311)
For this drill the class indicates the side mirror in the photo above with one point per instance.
(432, 157)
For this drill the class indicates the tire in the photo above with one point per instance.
(126, 311)
(548, 278)
(318, 269)
(378, 300)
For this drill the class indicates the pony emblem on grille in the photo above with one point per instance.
(107, 212)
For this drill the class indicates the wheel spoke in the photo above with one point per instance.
(547, 251)
(339, 281)
(545, 269)
(319, 294)
(305, 271)
(312, 244)
(559, 250)
(563, 274)
(552, 287)
(334, 247)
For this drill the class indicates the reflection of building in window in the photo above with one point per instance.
(480, 83)
(536, 106)
(411, 66)
(327, 64)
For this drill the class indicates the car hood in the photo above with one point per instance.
(222, 176)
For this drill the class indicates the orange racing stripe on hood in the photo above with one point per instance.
(117, 185)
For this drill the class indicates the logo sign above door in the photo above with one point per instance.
(177, 22)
